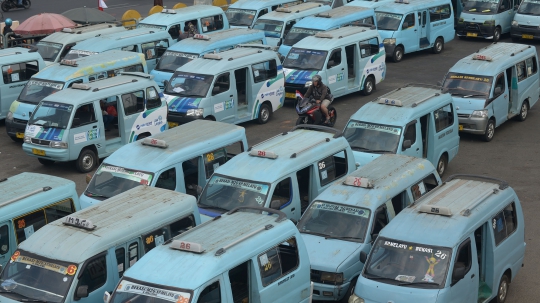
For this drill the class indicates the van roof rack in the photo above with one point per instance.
(137, 74)
(337, 132)
(34, 192)
(298, 8)
(258, 46)
(390, 101)
(135, 35)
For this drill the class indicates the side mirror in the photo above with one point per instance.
(405, 25)
(363, 257)
(406, 144)
(165, 84)
(88, 178)
(275, 204)
(458, 273)
(76, 122)
(330, 64)
(82, 291)
(106, 297)
(497, 91)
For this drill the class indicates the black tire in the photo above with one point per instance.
(397, 55)
(265, 112)
(45, 162)
(369, 86)
(523, 112)
(442, 164)
(502, 290)
(496, 34)
(27, 4)
(490, 131)
(333, 118)
(87, 161)
(349, 292)
(438, 46)
(5, 6)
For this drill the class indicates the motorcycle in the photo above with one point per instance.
(309, 112)
(10, 4)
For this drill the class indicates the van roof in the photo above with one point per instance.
(387, 176)
(330, 39)
(181, 15)
(117, 220)
(68, 35)
(121, 39)
(18, 54)
(228, 37)
(257, 4)
(368, 3)
(222, 61)
(294, 11)
(184, 142)
(102, 89)
(213, 236)
(409, 5)
(467, 200)
(335, 17)
(13, 190)
(90, 65)
(493, 59)
(293, 149)
(415, 99)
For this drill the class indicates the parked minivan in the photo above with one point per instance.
(526, 23)
(243, 13)
(486, 19)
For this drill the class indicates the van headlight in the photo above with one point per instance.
(480, 113)
(333, 277)
(389, 41)
(27, 139)
(9, 116)
(489, 22)
(308, 83)
(515, 23)
(58, 144)
(355, 299)
(195, 112)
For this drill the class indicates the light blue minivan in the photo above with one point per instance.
(486, 19)
(244, 13)
(328, 20)
(526, 23)
(410, 26)
(415, 120)
(345, 219)
(495, 84)
(462, 242)
(188, 49)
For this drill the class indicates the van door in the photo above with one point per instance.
(5, 252)
(410, 33)
(336, 73)
(223, 98)
(94, 279)
(282, 199)
(500, 102)
(242, 283)
(241, 79)
(413, 135)
(465, 289)
(132, 106)
(351, 52)
(505, 15)
(15, 76)
(86, 129)
(126, 255)
(192, 172)
(423, 28)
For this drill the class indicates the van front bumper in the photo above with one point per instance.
(291, 88)
(525, 32)
(327, 292)
(473, 125)
(54, 154)
(478, 30)
(16, 127)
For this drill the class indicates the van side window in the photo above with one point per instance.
(499, 83)
(408, 22)
(303, 178)
(191, 175)
(212, 23)
(222, 84)
(464, 257)
(167, 179)
(424, 186)
(131, 68)
(521, 71)
(120, 254)
(213, 160)
(264, 71)
(18, 72)
(174, 31)
(410, 133)
(94, 274)
(66, 50)
(133, 253)
(532, 67)
(239, 278)
(133, 102)
(504, 223)
(59, 210)
(369, 47)
(335, 58)
(505, 5)
(331, 168)
(182, 226)
(161, 47)
(155, 238)
(85, 114)
(153, 100)
(212, 293)
(262, 12)
(4, 239)
(438, 13)
(367, 20)
(149, 50)
(282, 193)
(278, 261)
(288, 27)
(380, 220)
(444, 116)
(131, 48)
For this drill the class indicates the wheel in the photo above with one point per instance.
(5, 6)
(441, 165)
(438, 46)
(523, 112)
(27, 4)
(333, 116)
(369, 86)
(45, 162)
(397, 56)
(350, 291)
(502, 291)
(87, 161)
(264, 114)
(490, 131)
(496, 34)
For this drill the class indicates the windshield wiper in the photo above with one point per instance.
(97, 195)
(370, 150)
(418, 283)
(472, 95)
(33, 300)
(212, 207)
(342, 237)
(375, 277)
(313, 233)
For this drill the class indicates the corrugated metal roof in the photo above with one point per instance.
(83, 33)
(219, 39)
(183, 14)
(230, 59)
(121, 39)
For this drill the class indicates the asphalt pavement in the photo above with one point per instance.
(513, 154)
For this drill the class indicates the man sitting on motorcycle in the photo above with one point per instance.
(318, 91)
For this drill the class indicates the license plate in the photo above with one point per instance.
(472, 35)
(460, 127)
(525, 36)
(290, 95)
(173, 124)
(38, 152)
(19, 135)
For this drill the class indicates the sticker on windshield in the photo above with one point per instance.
(341, 209)
(167, 295)
(132, 175)
(242, 11)
(183, 55)
(142, 25)
(404, 278)
(258, 188)
(43, 264)
(293, 56)
(278, 28)
(47, 84)
(82, 52)
(303, 31)
(386, 15)
(470, 78)
(382, 128)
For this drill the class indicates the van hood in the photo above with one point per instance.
(529, 20)
(328, 254)
(160, 76)
(364, 158)
(298, 76)
(468, 105)
(22, 110)
(181, 104)
(373, 291)
(39, 132)
(386, 34)
(476, 18)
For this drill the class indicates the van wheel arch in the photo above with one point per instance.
(504, 285)
(210, 118)
(143, 135)
(350, 290)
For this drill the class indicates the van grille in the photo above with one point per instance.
(20, 121)
(40, 142)
(528, 26)
(463, 115)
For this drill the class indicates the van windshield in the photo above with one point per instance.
(467, 86)
(407, 264)
(481, 6)
(371, 137)
(51, 114)
(529, 7)
(76, 54)
(188, 84)
(110, 180)
(388, 21)
(305, 59)
(36, 90)
(170, 61)
(240, 17)
(331, 220)
(225, 193)
(271, 28)
(128, 291)
(29, 277)
(48, 50)
(297, 33)
(144, 25)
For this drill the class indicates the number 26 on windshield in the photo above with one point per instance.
(440, 254)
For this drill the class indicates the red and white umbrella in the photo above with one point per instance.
(44, 24)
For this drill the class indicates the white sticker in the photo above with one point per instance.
(256, 73)
(422, 188)
(152, 93)
(65, 279)
(159, 240)
(263, 259)
(324, 174)
(178, 89)
(4, 247)
(131, 262)
(79, 138)
(332, 79)
(28, 231)
(32, 130)
(121, 267)
(205, 29)
(28, 266)
(293, 56)
(14, 77)
(216, 165)
(219, 107)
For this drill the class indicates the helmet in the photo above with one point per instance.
(317, 78)
(8, 22)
